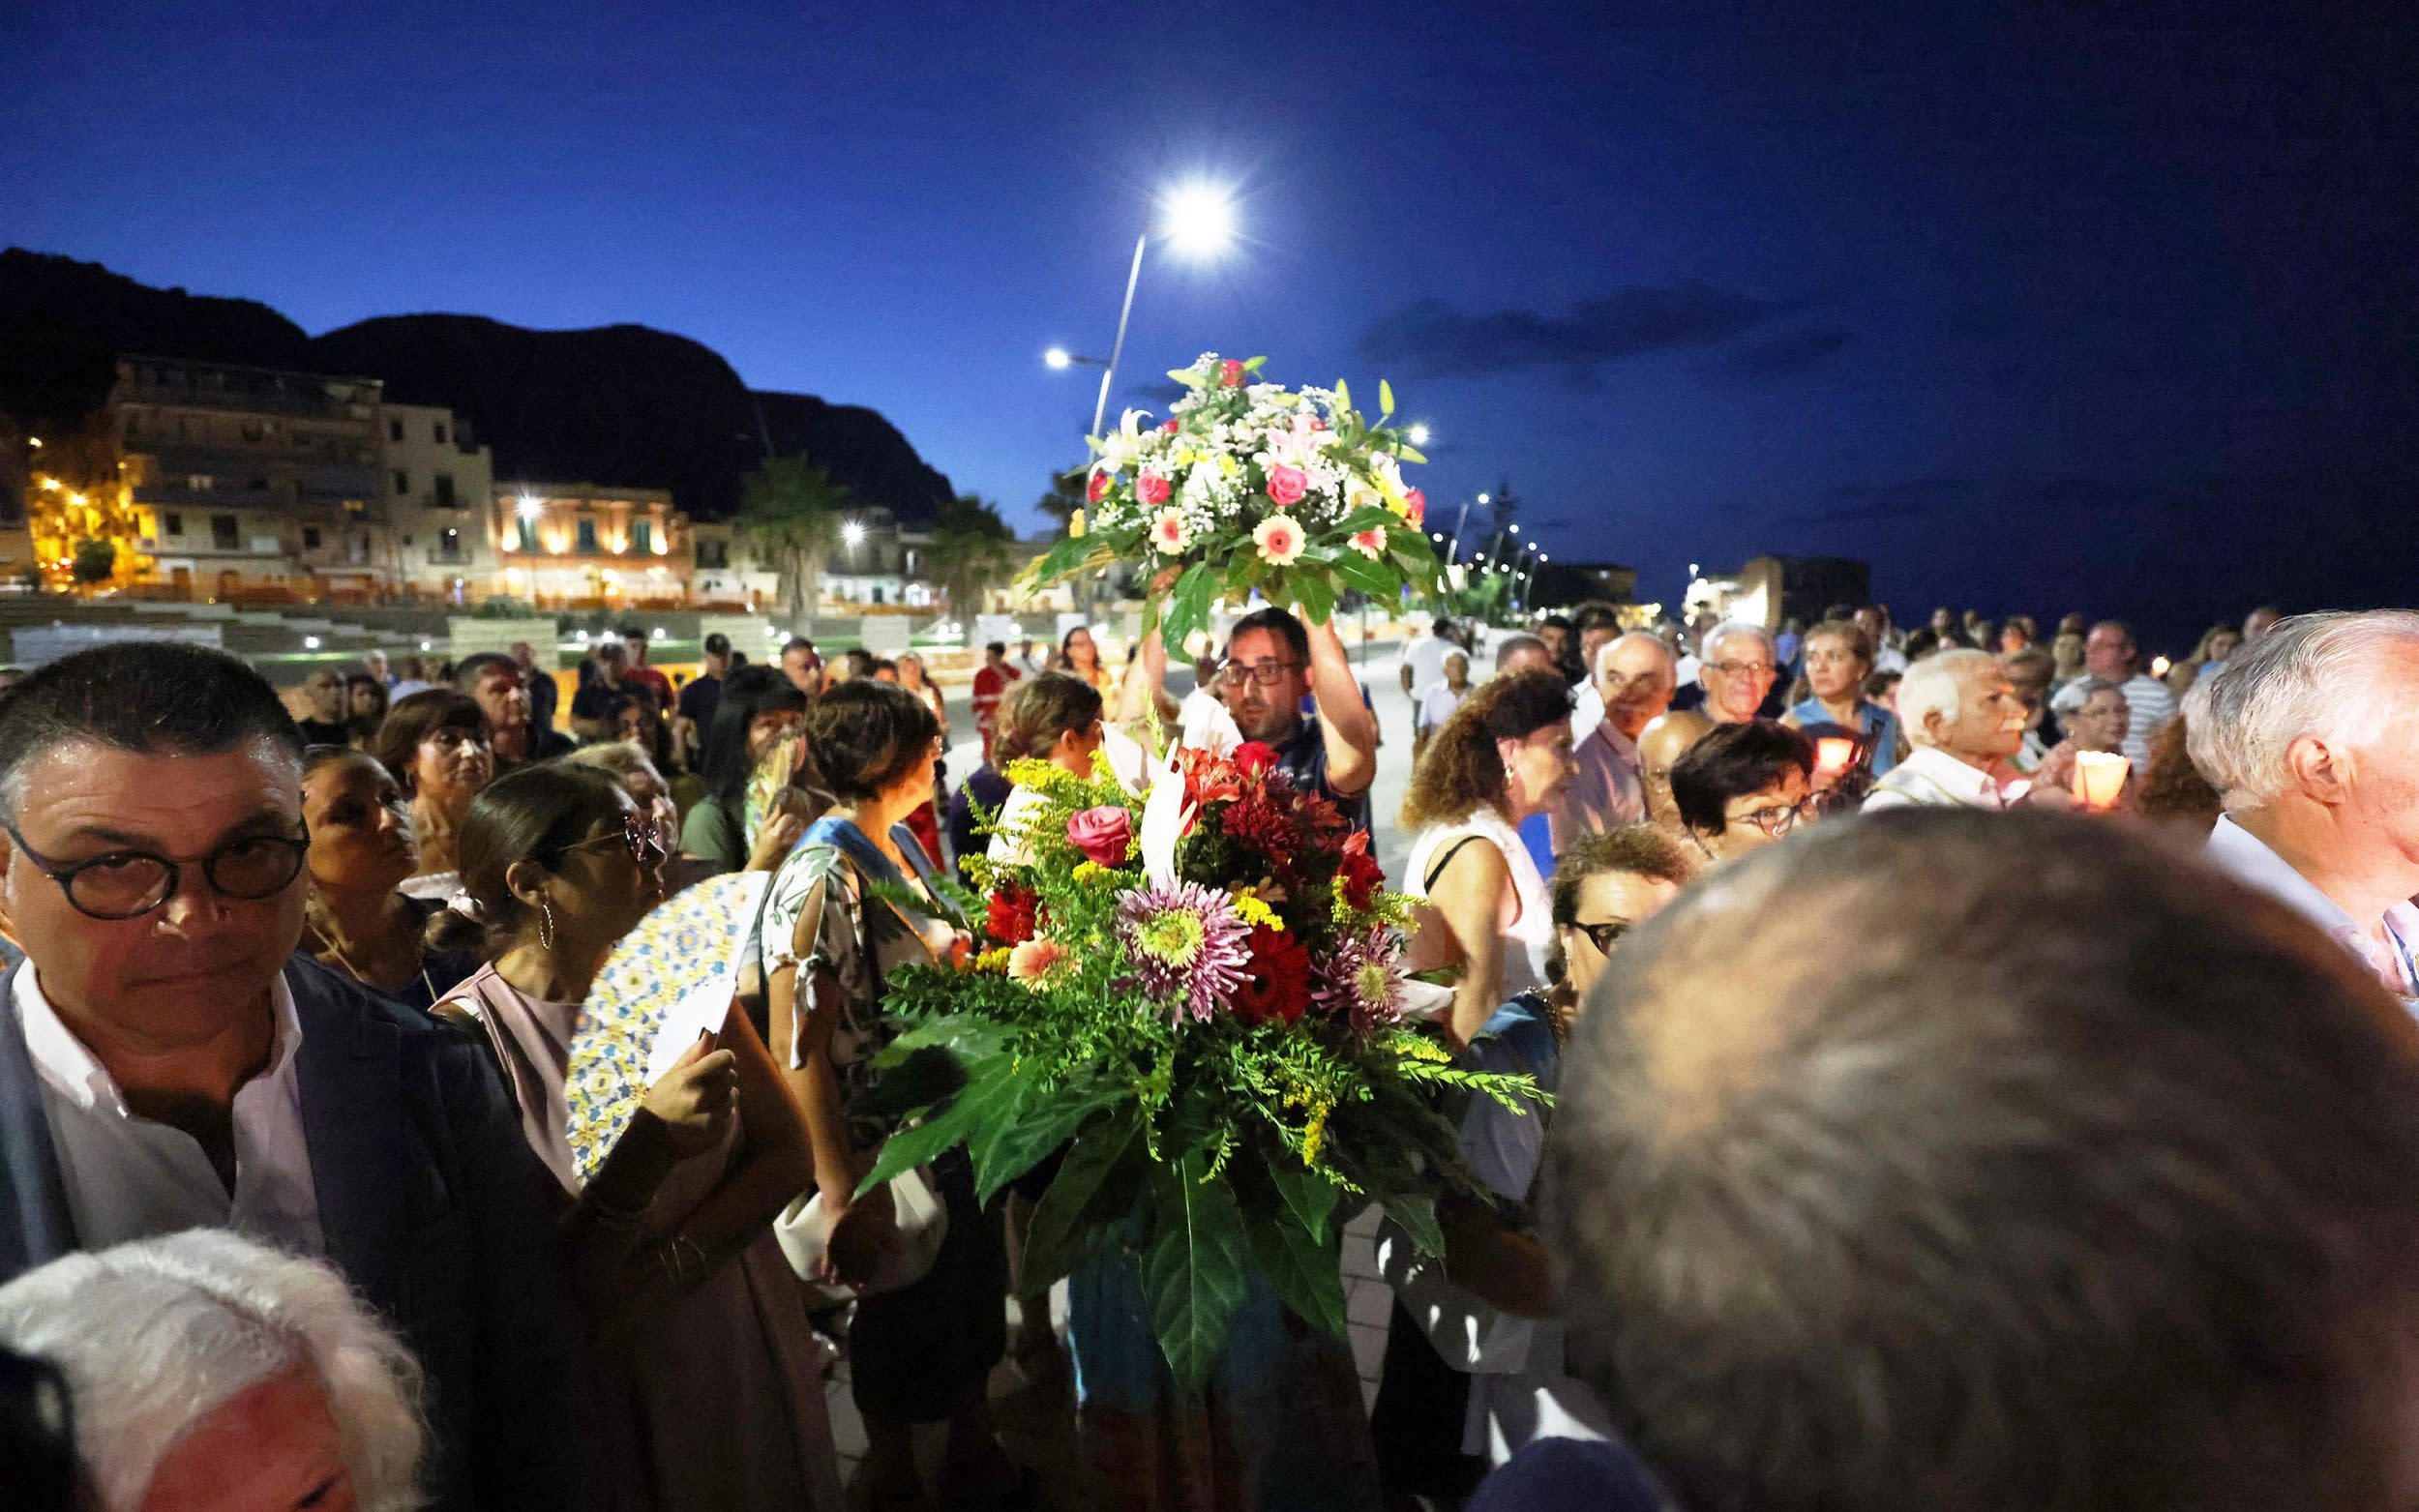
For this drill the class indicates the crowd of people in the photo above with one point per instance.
(1983, 1077)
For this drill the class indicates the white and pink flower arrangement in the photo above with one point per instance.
(1251, 488)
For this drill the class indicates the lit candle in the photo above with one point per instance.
(1832, 754)
(2099, 778)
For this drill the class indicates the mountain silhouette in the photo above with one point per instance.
(622, 404)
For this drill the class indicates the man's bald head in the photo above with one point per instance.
(1661, 745)
(2031, 1193)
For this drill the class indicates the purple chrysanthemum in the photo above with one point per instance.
(1188, 948)
(1362, 981)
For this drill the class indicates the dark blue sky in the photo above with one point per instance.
(2032, 313)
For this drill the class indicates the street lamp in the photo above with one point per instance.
(1197, 221)
(1418, 432)
(853, 534)
(1059, 358)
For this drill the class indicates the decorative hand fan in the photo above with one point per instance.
(771, 776)
(669, 980)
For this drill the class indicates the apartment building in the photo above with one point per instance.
(581, 542)
(440, 487)
(253, 482)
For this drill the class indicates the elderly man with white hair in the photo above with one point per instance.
(2310, 735)
(1962, 717)
(1739, 663)
(208, 1370)
(1635, 678)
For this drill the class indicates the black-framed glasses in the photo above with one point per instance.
(638, 836)
(1779, 819)
(1268, 675)
(127, 884)
(1604, 933)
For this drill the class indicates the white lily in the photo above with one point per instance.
(1165, 815)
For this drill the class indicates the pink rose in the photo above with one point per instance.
(1415, 506)
(1034, 959)
(1170, 427)
(1151, 487)
(1103, 834)
(1253, 758)
(1230, 373)
(1287, 485)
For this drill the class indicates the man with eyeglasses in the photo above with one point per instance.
(1273, 662)
(167, 1062)
(1634, 679)
(1740, 666)
(1962, 718)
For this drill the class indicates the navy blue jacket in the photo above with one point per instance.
(430, 1202)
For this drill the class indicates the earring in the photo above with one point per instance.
(546, 925)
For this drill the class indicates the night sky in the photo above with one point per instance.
(2034, 313)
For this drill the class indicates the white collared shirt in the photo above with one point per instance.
(1587, 710)
(2246, 857)
(130, 1177)
(1930, 779)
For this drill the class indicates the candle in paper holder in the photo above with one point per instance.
(2099, 778)
(1833, 754)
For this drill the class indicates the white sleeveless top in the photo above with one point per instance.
(1530, 933)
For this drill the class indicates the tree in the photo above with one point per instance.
(791, 512)
(973, 548)
(95, 562)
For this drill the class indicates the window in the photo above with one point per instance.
(199, 482)
(311, 538)
(449, 543)
(174, 522)
(529, 534)
(225, 535)
(440, 433)
(394, 430)
(403, 482)
(133, 425)
(442, 486)
(713, 553)
(643, 535)
(588, 536)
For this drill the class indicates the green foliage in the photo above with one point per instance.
(971, 548)
(94, 561)
(1214, 1150)
(792, 511)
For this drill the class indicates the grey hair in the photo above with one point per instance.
(1636, 637)
(155, 1335)
(1728, 628)
(622, 758)
(2303, 677)
(1937, 684)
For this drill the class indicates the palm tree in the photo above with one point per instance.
(1065, 498)
(791, 513)
(971, 548)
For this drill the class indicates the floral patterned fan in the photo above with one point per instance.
(669, 980)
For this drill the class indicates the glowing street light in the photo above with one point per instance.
(1418, 432)
(853, 534)
(1197, 221)
(529, 508)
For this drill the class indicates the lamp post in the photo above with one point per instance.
(1196, 220)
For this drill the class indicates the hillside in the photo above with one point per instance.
(619, 404)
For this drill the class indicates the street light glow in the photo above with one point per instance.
(852, 533)
(1418, 432)
(1483, 499)
(1058, 357)
(530, 506)
(1516, 529)
(1198, 219)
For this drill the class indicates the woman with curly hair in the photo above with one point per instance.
(1503, 754)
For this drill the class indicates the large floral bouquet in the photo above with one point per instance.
(1198, 999)
(1251, 485)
